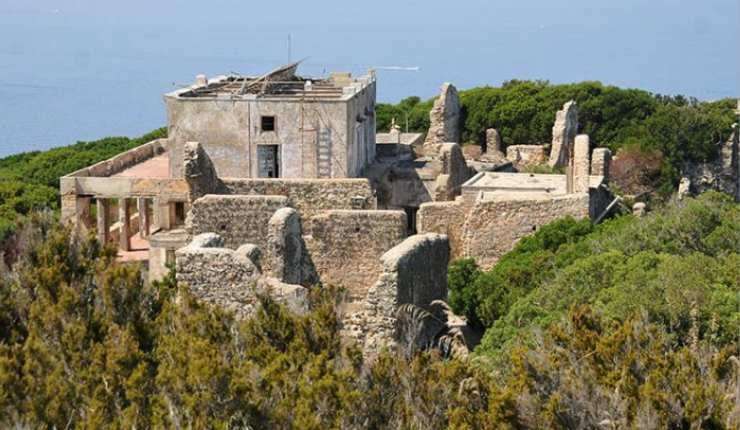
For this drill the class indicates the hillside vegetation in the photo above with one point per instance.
(671, 129)
(30, 180)
(628, 325)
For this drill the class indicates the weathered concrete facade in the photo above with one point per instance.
(305, 128)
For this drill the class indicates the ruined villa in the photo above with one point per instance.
(278, 183)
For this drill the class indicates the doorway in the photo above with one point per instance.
(267, 161)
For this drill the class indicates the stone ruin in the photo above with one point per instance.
(563, 134)
(382, 224)
(444, 120)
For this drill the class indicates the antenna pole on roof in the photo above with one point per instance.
(289, 48)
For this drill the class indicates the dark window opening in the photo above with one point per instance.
(179, 213)
(268, 123)
(410, 220)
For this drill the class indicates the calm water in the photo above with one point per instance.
(78, 70)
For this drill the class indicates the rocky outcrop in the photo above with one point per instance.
(563, 134)
(722, 174)
(444, 120)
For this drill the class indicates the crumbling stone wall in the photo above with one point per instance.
(309, 196)
(563, 134)
(444, 120)
(486, 227)
(494, 226)
(525, 155)
(600, 161)
(199, 171)
(286, 249)
(345, 246)
(238, 219)
(446, 218)
(413, 272)
(231, 278)
(454, 173)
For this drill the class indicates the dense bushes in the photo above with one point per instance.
(30, 180)
(84, 343)
(679, 128)
(679, 263)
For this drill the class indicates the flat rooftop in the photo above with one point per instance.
(157, 167)
(282, 82)
(521, 184)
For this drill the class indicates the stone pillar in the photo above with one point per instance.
(493, 141)
(103, 217)
(581, 164)
(76, 212)
(600, 161)
(124, 217)
(69, 209)
(144, 219)
(563, 133)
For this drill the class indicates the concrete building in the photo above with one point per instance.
(279, 125)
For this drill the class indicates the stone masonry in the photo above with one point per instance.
(525, 155)
(413, 272)
(444, 120)
(581, 165)
(563, 134)
(238, 219)
(600, 161)
(345, 246)
(231, 278)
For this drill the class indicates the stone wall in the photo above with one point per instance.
(414, 272)
(486, 227)
(309, 196)
(454, 173)
(345, 246)
(600, 160)
(446, 218)
(525, 155)
(238, 219)
(494, 226)
(231, 278)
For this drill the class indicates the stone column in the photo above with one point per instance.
(581, 164)
(124, 215)
(144, 220)
(103, 217)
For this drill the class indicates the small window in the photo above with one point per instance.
(268, 123)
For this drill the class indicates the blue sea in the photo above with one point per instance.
(75, 70)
